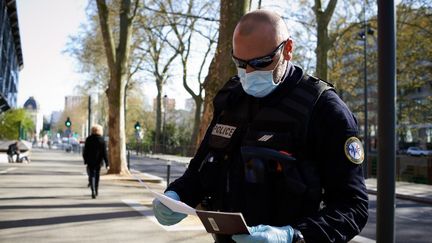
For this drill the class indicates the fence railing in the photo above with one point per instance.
(186, 151)
(408, 168)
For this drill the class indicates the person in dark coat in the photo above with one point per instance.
(13, 150)
(94, 154)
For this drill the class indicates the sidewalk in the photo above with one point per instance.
(405, 190)
(48, 201)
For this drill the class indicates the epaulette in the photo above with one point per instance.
(229, 93)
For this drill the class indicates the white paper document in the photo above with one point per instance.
(174, 205)
(214, 222)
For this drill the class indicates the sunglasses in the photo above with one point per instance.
(259, 62)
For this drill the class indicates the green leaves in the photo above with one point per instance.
(12, 120)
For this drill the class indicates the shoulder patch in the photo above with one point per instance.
(354, 150)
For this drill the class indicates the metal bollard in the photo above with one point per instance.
(128, 159)
(168, 172)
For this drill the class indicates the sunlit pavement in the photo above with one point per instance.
(48, 201)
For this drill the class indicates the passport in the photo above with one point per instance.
(223, 222)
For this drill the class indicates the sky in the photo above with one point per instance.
(48, 74)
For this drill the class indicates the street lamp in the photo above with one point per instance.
(367, 30)
(89, 108)
(92, 113)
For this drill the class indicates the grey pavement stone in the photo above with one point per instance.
(405, 190)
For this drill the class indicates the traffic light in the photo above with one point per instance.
(68, 122)
(137, 126)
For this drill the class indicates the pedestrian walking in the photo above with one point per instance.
(282, 148)
(94, 155)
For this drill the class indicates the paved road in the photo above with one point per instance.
(157, 167)
(413, 221)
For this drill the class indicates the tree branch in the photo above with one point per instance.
(125, 28)
(106, 32)
(182, 14)
(135, 10)
(328, 13)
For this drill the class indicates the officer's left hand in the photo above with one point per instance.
(266, 233)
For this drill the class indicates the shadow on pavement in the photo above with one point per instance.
(83, 205)
(67, 219)
(57, 160)
(44, 172)
(24, 198)
(39, 187)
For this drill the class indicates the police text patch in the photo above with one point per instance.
(354, 150)
(223, 130)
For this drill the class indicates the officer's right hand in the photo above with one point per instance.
(163, 214)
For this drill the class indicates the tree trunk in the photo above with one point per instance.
(118, 60)
(197, 122)
(321, 51)
(221, 67)
(323, 40)
(116, 131)
(158, 132)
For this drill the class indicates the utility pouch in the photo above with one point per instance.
(210, 172)
(276, 189)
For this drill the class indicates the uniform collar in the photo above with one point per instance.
(293, 75)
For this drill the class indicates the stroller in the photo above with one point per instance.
(24, 157)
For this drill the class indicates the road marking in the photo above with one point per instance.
(361, 239)
(147, 175)
(190, 223)
(7, 170)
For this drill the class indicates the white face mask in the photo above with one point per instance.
(257, 83)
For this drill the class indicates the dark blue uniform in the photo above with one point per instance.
(328, 146)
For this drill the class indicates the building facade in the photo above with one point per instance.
(71, 102)
(167, 103)
(418, 133)
(11, 60)
(33, 109)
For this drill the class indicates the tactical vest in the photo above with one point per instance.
(288, 192)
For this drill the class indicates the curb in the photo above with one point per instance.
(406, 197)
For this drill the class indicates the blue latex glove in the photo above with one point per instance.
(163, 214)
(265, 233)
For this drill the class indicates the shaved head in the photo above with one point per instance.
(263, 19)
(257, 34)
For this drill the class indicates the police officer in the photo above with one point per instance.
(282, 148)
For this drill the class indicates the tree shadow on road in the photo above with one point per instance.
(67, 219)
(82, 205)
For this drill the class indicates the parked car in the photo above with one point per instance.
(416, 151)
